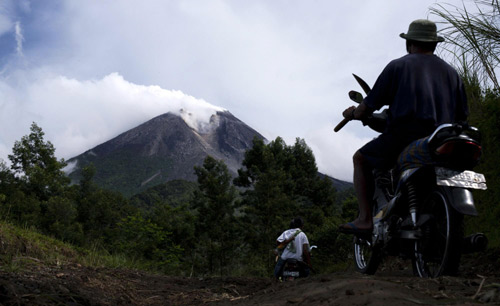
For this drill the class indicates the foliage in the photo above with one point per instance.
(485, 114)
(22, 209)
(281, 182)
(141, 238)
(99, 212)
(180, 221)
(202, 228)
(22, 246)
(60, 219)
(173, 193)
(334, 248)
(216, 226)
(19, 243)
(34, 163)
(473, 39)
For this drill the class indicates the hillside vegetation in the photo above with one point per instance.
(220, 226)
(179, 227)
(38, 270)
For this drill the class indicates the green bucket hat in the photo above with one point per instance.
(422, 30)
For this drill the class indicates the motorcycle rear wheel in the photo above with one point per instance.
(438, 252)
(366, 257)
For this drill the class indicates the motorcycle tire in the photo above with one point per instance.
(439, 251)
(366, 257)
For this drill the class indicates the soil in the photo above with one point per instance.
(73, 284)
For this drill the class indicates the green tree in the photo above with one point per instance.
(35, 177)
(99, 210)
(34, 162)
(60, 219)
(216, 226)
(6, 178)
(23, 209)
(7, 187)
(142, 239)
(180, 221)
(281, 182)
(99, 213)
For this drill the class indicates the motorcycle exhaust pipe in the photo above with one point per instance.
(474, 243)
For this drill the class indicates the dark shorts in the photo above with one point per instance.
(383, 151)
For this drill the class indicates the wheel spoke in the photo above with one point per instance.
(366, 257)
(438, 249)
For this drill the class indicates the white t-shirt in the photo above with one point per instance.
(294, 248)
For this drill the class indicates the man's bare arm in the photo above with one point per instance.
(306, 255)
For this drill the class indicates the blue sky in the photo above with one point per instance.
(86, 71)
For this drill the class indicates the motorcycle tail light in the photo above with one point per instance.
(459, 150)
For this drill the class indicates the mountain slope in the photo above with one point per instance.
(163, 149)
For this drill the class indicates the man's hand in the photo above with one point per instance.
(349, 113)
(357, 113)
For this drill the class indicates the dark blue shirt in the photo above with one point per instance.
(422, 92)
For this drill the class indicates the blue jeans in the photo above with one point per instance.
(278, 269)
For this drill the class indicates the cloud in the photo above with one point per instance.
(283, 67)
(19, 39)
(334, 151)
(5, 17)
(78, 115)
(5, 24)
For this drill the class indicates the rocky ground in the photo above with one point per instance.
(72, 284)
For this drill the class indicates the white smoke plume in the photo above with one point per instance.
(78, 115)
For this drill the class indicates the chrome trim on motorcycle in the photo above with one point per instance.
(439, 128)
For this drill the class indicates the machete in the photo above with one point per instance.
(355, 98)
(363, 84)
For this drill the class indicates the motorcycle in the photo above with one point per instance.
(293, 268)
(418, 212)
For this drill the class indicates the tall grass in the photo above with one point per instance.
(24, 247)
(473, 39)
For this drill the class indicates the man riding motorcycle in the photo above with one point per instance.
(295, 245)
(422, 92)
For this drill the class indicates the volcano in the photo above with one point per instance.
(165, 148)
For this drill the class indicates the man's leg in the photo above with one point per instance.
(363, 187)
(381, 152)
(278, 269)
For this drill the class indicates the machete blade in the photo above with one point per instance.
(363, 84)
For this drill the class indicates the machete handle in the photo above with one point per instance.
(341, 124)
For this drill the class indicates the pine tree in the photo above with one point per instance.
(216, 226)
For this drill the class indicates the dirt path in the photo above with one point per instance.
(70, 284)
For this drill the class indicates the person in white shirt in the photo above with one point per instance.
(295, 245)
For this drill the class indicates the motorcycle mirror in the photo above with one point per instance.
(355, 96)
